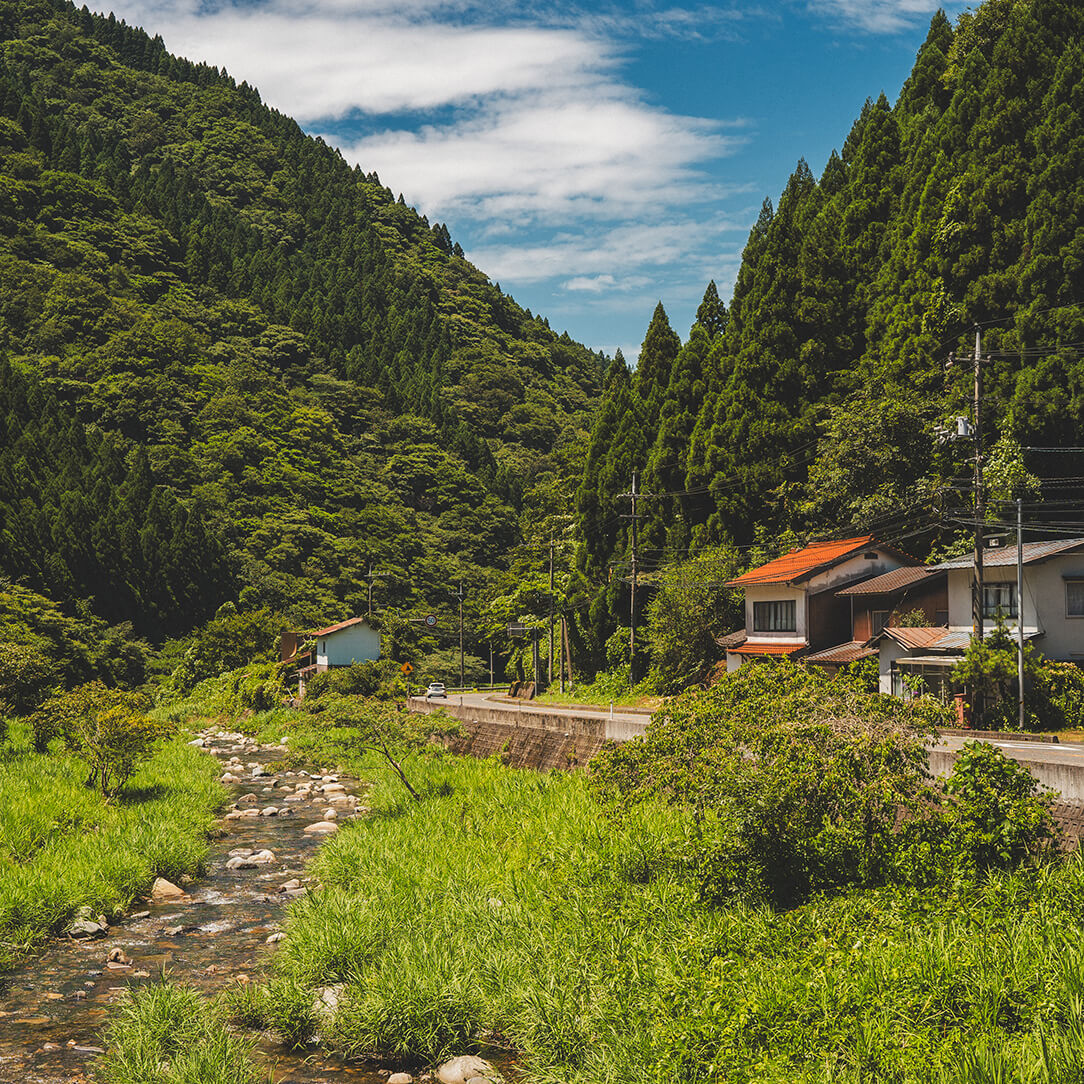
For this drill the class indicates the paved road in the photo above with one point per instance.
(1069, 753)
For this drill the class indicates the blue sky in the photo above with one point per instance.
(592, 158)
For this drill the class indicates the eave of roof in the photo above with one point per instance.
(340, 626)
(801, 563)
(888, 583)
(842, 654)
(1006, 555)
(781, 648)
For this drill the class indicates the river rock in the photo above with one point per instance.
(274, 938)
(321, 828)
(85, 927)
(249, 813)
(116, 956)
(326, 1001)
(342, 801)
(269, 811)
(247, 799)
(262, 858)
(330, 815)
(229, 778)
(238, 863)
(295, 797)
(234, 815)
(400, 1078)
(333, 788)
(462, 1069)
(165, 890)
(294, 883)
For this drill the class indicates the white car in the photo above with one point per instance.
(436, 688)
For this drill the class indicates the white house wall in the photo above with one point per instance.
(776, 592)
(359, 643)
(1044, 603)
(853, 569)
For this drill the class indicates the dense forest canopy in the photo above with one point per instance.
(236, 368)
(808, 406)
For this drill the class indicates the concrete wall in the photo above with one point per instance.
(776, 592)
(358, 643)
(1066, 779)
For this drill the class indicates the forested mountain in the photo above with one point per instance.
(810, 404)
(234, 367)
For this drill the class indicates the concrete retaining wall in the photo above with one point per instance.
(602, 728)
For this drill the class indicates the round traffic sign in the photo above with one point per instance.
(431, 620)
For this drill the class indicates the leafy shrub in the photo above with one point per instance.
(25, 676)
(795, 781)
(998, 818)
(105, 727)
(380, 678)
(228, 641)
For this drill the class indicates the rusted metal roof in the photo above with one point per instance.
(732, 639)
(1006, 555)
(782, 647)
(801, 563)
(917, 638)
(842, 654)
(890, 582)
(340, 626)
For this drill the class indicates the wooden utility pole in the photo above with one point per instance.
(980, 503)
(632, 597)
(549, 661)
(1020, 609)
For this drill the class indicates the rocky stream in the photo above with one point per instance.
(206, 933)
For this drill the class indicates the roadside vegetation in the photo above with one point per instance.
(817, 910)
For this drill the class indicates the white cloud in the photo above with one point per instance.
(880, 16)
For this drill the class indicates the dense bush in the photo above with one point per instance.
(107, 728)
(796, 783)
(380, 678)
(228, 641)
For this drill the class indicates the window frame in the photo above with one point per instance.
(777, 609)
(990, 613)
(1074, 581)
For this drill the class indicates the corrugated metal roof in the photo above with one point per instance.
(732, 639)
(890, 582)
(798, 564)
(915, 638)
(1006, 555)
(341, 625)
(842, 654)
(780, 648)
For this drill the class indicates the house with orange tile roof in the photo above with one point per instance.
(792, 605)
(343, 644)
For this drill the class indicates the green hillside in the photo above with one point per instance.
(237, 368)
(809, 404)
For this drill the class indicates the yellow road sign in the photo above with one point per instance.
(406, 668)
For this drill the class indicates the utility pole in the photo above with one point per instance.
(459, 596)
(1020, 609)
(370, 576)
(632, 597)
(549, 663)
(980, 503)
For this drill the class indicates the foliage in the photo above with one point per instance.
(25, 676)
(166, 1034)
(1054, 692)
(229, 641)
(795, 781)
(509, 903)
(63, 846)
(690, 609)
(999, 819)
(107, 728)
(381, 679)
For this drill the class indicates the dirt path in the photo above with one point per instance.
(53, 1008)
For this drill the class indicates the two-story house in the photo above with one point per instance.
(1053, 614)
(793, 605)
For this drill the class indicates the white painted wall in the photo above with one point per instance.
(854, 569)
(358, 643)
(1044, 603)
(776, 592)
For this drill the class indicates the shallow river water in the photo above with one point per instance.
(52, 1009)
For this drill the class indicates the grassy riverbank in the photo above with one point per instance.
(504, 905)
(63, 846)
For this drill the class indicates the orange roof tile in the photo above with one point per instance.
(341, 625)
(781, 648)
(798, 564)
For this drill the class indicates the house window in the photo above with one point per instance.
(774, 616)
(878, 620)
(998, 599)
(1074, 598)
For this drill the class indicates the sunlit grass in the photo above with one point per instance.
(62, 846)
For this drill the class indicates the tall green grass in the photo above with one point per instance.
(62, 846)
(166, 1034)
(504, 908)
